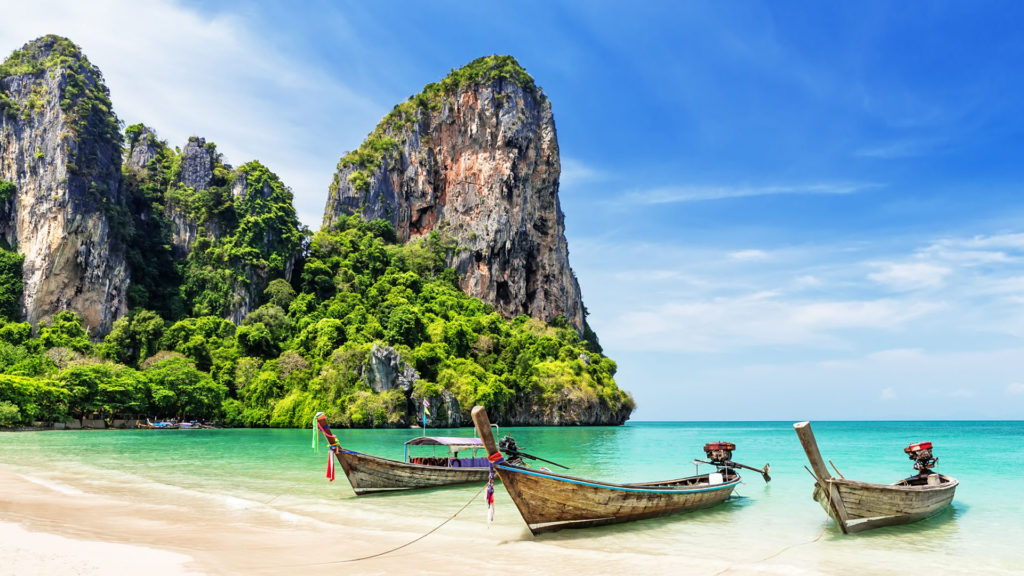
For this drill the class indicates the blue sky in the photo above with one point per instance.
(776, 210)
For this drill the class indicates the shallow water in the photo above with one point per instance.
(773, 528)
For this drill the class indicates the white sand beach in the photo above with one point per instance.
(50, 527)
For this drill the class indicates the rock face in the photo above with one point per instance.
(196, 173)
(475, 158)
(141, 150)
(60, 147)
(385, 371)
(571, 409)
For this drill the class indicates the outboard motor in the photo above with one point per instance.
(508, 446)
(720, 453)
(921, 454)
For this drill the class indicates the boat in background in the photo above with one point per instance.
(858, 506)
(161, 425)
(549, 501)
(371, 474)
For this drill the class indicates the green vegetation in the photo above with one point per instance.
(305, 349)
(146, 234)
(384, 142)
(252, 238)
(317, 303)
(7, 191)
(11, 282)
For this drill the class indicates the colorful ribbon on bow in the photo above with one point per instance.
(494, 460)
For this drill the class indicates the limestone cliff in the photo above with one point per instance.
(232, 231)
(474, 157)
(60, 147)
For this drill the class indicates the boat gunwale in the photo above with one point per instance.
(637, 487)
(950, 483)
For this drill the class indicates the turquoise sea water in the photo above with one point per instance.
(983, 532)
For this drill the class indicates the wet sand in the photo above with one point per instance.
(49, 526)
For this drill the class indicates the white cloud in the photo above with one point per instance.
(755, 320)
(807, 281)
(963, 393)
(576, 173)
(903, 149)
(901, 355)
(1015, 389)
(888, 394)
(747, 255)
(679, 194)
(185, 73)
(911, 276)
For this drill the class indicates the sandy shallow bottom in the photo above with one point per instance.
(66, 520)
(50, 525)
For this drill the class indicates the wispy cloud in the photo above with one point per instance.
(909, 148)
(575, 173)
(756, 320)
(815, 298)
(679, 194)
(747, 255)
(911, 276)
(898, 355)
(1015, 389)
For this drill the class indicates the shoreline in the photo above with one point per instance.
(48, 525)
(258, 504)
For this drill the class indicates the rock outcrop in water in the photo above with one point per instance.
(474, 158)
(60, 148)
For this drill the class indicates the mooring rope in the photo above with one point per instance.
(396, 548)
(787, 547)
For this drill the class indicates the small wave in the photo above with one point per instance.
(55, 486)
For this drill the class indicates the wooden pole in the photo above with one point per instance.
(483, 428)
(803, 430)
(835, 501)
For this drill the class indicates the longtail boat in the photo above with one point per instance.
(549, 501)
(858, 506)
(371, 474)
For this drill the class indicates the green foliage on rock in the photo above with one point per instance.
(155, 270)
(246, 231)
(11, 282)
(85, 99)
(308, 349)
(384, 142)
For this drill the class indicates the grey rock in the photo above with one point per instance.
(142, 150)
(197, 164)
(444, 411)
(483, 169)
(68, 181)
(385, 370)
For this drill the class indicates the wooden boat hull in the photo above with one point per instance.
(870, 506)
(551, 502)
(858, 506)
(370, 474)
